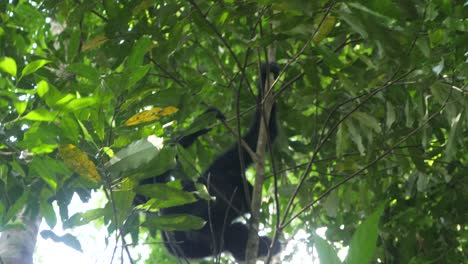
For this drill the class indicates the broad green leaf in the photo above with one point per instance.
(409, 114)
(8, 65)
(136, 154)
(136, 74)
(384, 19)
(74, 43)
(422, 182)
(367, 120)
(17, 168)
(174, 222)
(326, 252)
(454, 137)
(67, 239)
(69, 128)
(47, 210)
(80, 103)
(111, 7)
(164, 161)
(41, 167)
(353, 20)
(331, 204)
(41, 115)
(20, 107)
(17, 205)
(2, 216)
(164, 196)
(86, 133)
(65, 99)
(123, 199)
(391, 115)
(3, 173)
(423, 44)
(139, 50)
(84, 218)
(33, 67)
(42, 88)
(187, 159)
(364, 240)
(202, 121)
(330, 57)
(355, 135)
(341, 145)
(86, 71)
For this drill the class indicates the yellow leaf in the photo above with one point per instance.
(150, 115)
(325, 28)
(95, 42)
(79, 162)
(168, 110)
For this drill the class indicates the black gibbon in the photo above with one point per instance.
(224, 181)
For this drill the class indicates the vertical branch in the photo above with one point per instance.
(265, 110)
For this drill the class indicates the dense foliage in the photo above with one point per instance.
(371, 100)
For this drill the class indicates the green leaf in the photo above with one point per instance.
(42, 88)
(84, 218)
(46, 169)
(86, 71)
(138, 51)
(384, 19)
(422, 182)
(3, 172)
(174, 222)
(367, 120)
(409, 114)
(187, 159)
(136, 154)
(86, 133)
(454, 136)
(391, 115)
(80, 103)
(326, 252)
(355, 135)
(47, 210)
(202, 121)
(331, 204)
(33, 67)
(164, 196)
(353, 20)
(41, 115)
(67, 239)
(123, 199)
(329, 57)
(341, 145)
(20, 107)
(17, 205)
(364, 240)
(136, 74)
(8, 65)
(65, 99)
(2, 216)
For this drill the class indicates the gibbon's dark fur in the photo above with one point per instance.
(223, 179)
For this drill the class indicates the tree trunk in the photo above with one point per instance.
(17, 245)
